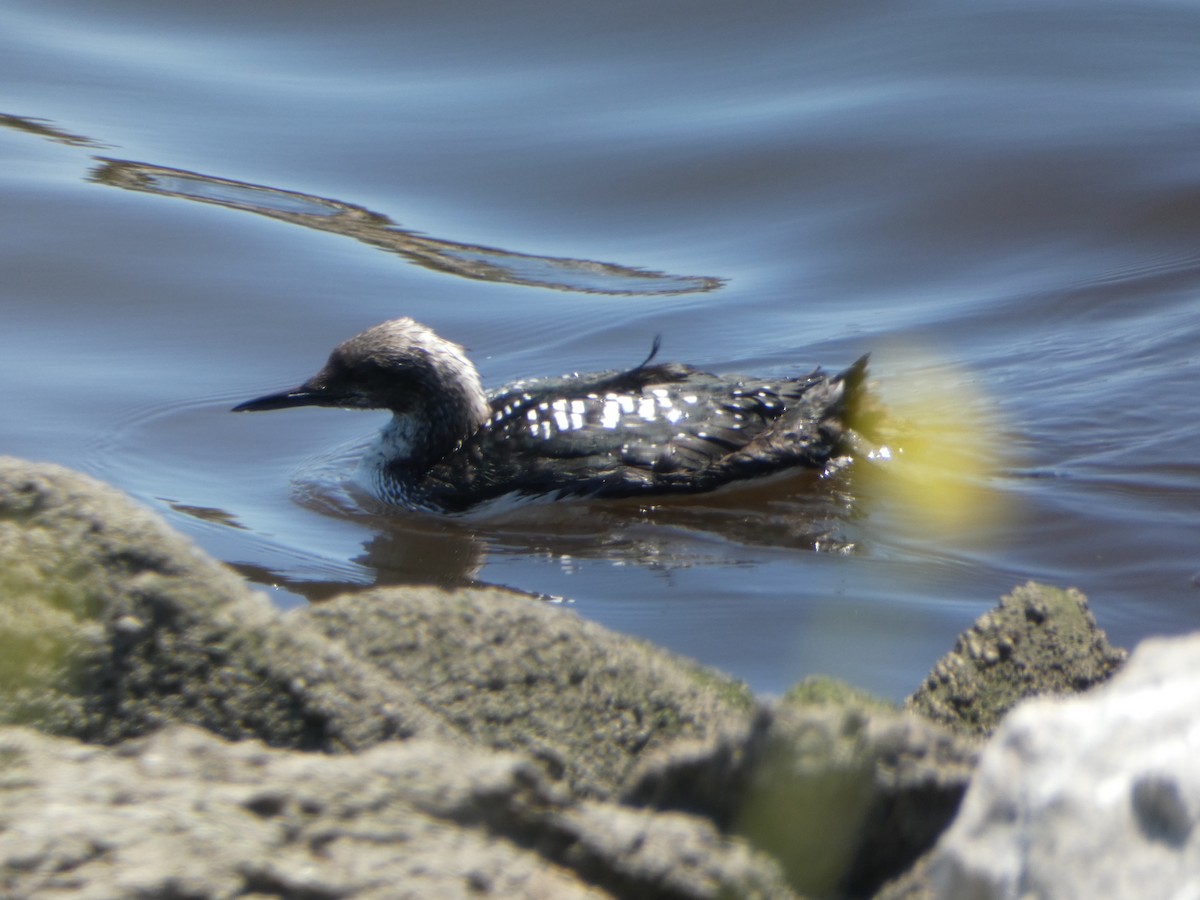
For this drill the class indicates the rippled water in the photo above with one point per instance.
(1001, 202)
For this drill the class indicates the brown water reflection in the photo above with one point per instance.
(377, 230)
(801, 511)
(48, 130)
(372, 228)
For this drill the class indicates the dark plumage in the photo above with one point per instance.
(654, 429)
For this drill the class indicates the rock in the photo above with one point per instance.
(845, 795)
(1039, 641)
(117, 625)
(111, 625)
(513, 674)
(821, 690)
(1094, 796)
(497, 732)
(183, 813)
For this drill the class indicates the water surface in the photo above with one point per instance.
(1001, 202)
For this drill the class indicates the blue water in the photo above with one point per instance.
(1001, 202)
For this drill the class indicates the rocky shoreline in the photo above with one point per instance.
(166, 732)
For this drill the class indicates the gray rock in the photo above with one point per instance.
(1094, 796)
(184, 814)
(116, 626)
(113, 626)
(513, 674)
(1040, 640)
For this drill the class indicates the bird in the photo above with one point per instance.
(654, 429)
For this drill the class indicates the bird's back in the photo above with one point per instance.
(652, 429)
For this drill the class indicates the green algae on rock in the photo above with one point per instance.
(120, 625)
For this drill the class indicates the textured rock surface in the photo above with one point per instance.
(1040, 640)
(513, 674)
(111, 625)
(115, 625)
(1095, 796)
(185, 814)
(845, 795)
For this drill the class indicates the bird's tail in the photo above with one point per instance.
(854, 376)
(860, 411)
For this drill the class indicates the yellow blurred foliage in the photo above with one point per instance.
(937, 445)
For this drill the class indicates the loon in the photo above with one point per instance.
(654, 429)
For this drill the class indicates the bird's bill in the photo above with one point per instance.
(283, 400)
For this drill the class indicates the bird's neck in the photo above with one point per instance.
(414, 440)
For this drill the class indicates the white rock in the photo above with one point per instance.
(1093, 796)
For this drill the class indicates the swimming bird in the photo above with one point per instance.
(657, 428)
